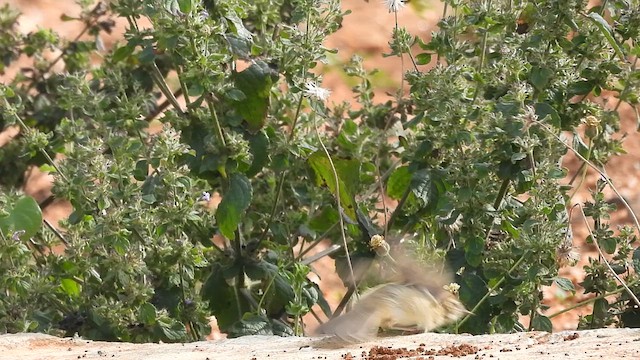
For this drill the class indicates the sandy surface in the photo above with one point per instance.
(591, 344)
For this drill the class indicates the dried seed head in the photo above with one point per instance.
(567, 256)
(452, 288)
(591, 121)
(379, 245)
(529, 117)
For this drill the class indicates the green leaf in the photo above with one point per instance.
(185, 5)
(539, 77)
(280, 292)
(541, 323)
(324, 220)
(315, 296)
(233, 205)
(367, 227)
(251, 324)
(48, 168)
(147, 55)
(147, 314)
(510, 228)
(423, 59)
(255, 83)
(70, 287)
(636, 259)
(240, 30)
(608, 244)
(240, 46)
(473, 251)
(279, 328)
(223, 302)
(259, 148)
(579, 145)
(505, 323)
(122, 53)
(348, 173)
(581, 87)
(515, 157)
(544, 110)
(564, 284)
(173, 332)
(141, 171)
(557, 173)
(25, 216)
(148, 199)
(605, 29)
(472, 289)
(399, 182)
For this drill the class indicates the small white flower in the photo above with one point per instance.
(103, 212)
(313, 90)
(394, 5)
(205, 196)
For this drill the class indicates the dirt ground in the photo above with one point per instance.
(592, 344)
(366, 31)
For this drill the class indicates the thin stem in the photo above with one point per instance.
(485, 37)
(56, 232)
(401, 58)
(317, 241)
(282, 177)
(578, 172)
(344, 301)
(266, 291)
(489, 292)
(602, 174)
(42, 151)
(444, 14)
(183, 87)
(583, 168)
(382, 197)
(216, 122)
(626, 85)
(501, 193)
(606, 262)
(295, 119)
(590, 300)
(399, 207)
(483, 54)
(162, 107)
(156, 75)
(274, 207)
(88, 25)
(338, 202)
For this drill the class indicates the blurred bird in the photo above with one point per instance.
(420, 300)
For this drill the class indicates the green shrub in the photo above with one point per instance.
(472, 155)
